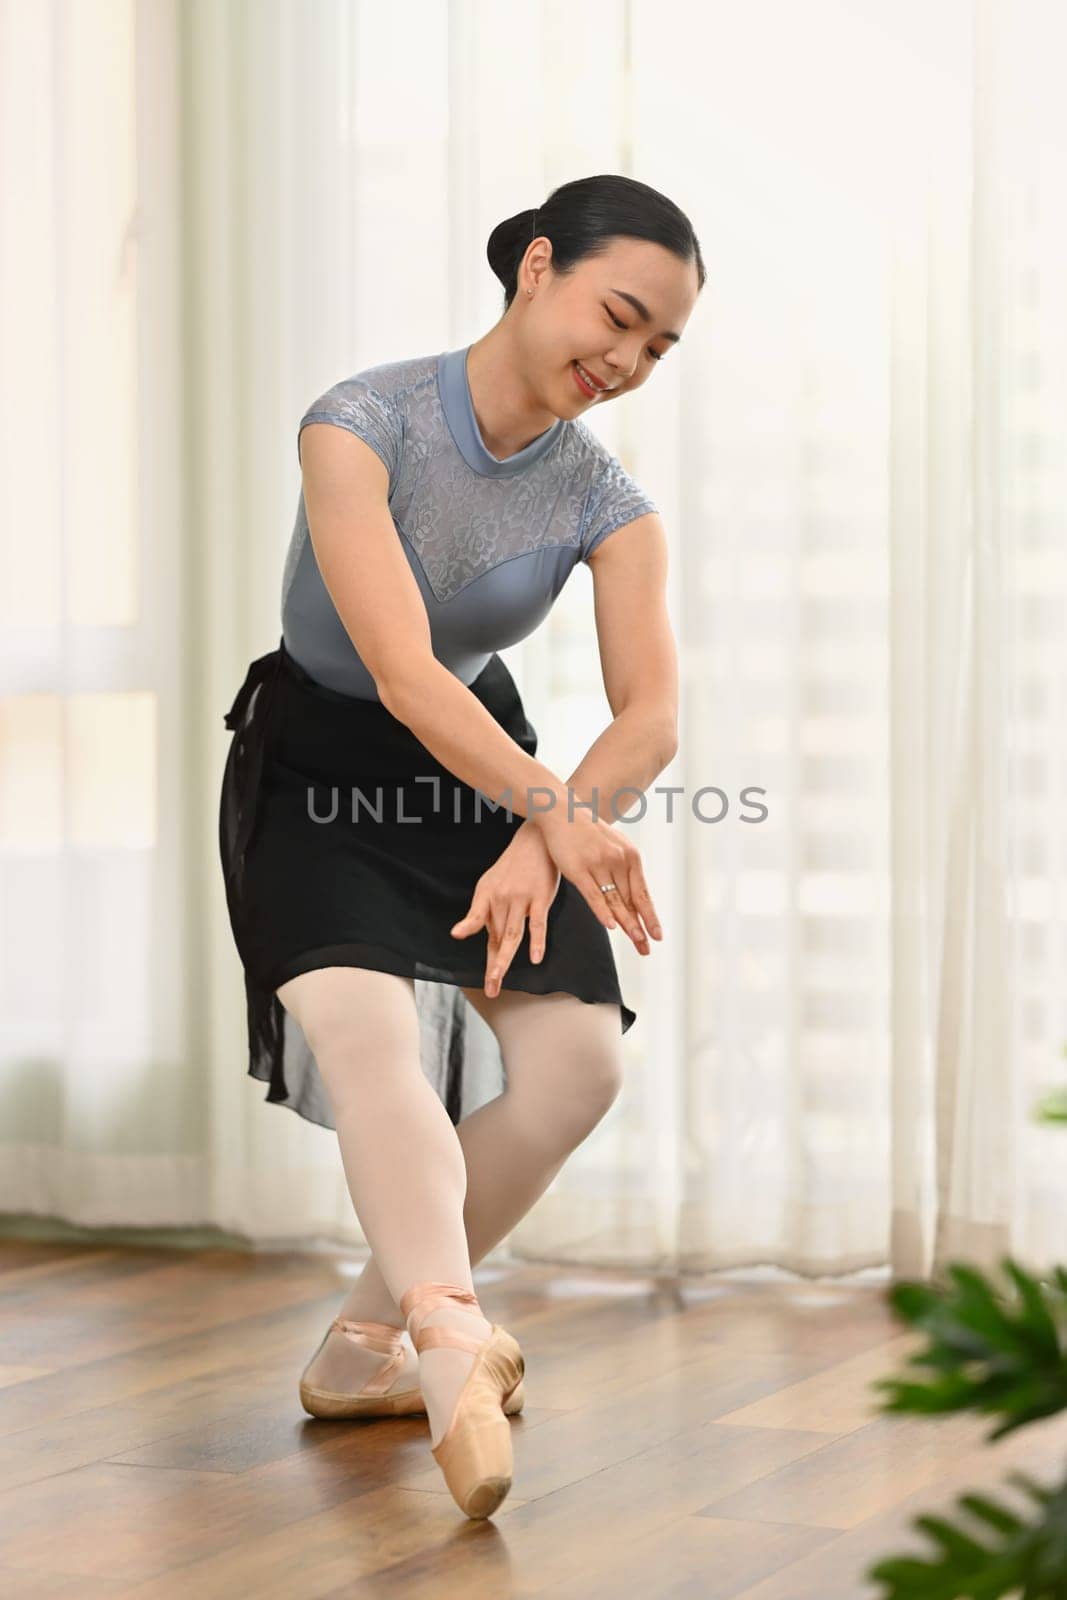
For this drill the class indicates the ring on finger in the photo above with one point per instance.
(612, 887)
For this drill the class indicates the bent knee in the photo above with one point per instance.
(566, 1094)
(598, 1063)
(602, 1078)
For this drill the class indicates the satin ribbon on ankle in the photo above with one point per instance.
(438, 1294)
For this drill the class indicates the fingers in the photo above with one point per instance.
(638, 904)
(538, 931)
(622, 905)
(504, 915)
(468, 924)
(504, 925)
(612, 906)
(599, 902)
(502, 948)
(641, 900)
(616, 871)
(629, 902)
(503, 945)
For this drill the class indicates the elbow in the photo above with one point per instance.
(664, 738)
(393, 694)
(402, 690)
(656, 732)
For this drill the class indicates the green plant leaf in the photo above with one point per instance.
(990, 1349)
(1020, 1558)
(1038, 1491)
(991, 1511)
(1039, 1322)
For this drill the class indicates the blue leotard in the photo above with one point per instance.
(491, 543)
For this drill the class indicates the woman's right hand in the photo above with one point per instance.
(589, 852)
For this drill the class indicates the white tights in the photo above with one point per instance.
(432, 1199)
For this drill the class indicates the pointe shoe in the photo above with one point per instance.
(474, 1453)
(377, 1397)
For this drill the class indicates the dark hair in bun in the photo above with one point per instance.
(582, 218)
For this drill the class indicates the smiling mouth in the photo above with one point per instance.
(587, 389)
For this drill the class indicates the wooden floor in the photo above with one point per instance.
(686, 1440)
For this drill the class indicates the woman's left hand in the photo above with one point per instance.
(521, 884)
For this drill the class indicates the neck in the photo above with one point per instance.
(509, 416)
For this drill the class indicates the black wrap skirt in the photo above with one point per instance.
(345, 842)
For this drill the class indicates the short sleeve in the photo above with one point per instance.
(356, 405)
(614, 500)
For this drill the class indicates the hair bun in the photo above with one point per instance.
(507, 243)
(581, 219)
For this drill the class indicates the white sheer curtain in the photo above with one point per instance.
(211, 211)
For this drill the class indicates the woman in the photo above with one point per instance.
(385, 822)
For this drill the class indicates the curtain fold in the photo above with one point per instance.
(213, 211)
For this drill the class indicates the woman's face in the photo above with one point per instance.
(589, 317)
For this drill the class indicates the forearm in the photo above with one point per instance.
(627, 757)
(455, 727)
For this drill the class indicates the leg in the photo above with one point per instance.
(402, 1160)
(563, 1058)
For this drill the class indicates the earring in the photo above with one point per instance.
(529, 291)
